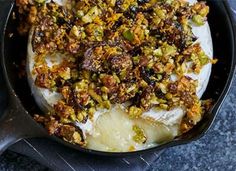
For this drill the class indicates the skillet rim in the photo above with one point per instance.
(215, 110)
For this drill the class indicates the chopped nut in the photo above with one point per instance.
(135, 112)
(139, 136)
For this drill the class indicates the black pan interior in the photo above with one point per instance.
(222, 34)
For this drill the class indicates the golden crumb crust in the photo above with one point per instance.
(116, 52)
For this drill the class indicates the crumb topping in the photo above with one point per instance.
(116, 51)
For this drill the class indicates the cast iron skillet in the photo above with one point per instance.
(17, 123)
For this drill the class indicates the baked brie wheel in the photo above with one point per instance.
(115, 124)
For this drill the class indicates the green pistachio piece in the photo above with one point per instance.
(128, 35)
(198, 20)
(139, 136)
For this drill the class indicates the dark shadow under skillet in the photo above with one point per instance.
(17, 123)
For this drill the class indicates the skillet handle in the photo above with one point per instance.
(16, 124)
